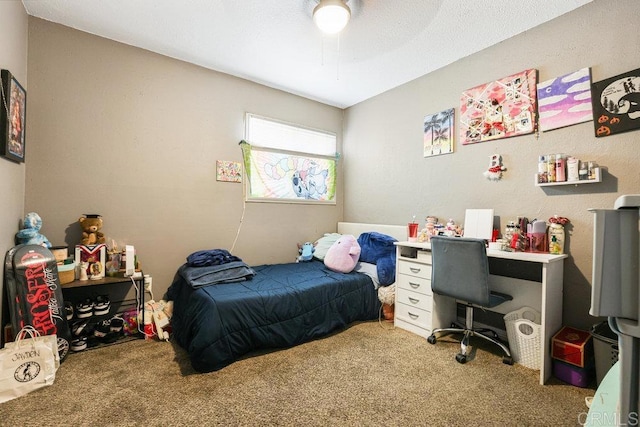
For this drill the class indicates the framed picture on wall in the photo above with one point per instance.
(13, 112)
(615, 104)
(499, 109)
(228, 171)
(438, 133)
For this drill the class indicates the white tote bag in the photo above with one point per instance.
(50, 340)
(27, 364)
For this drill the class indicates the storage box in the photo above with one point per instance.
(579, 377)
(66, 273)
(60, 253)
(573, 346)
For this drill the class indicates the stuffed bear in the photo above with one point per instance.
(343, 255)
(30, 234)
(91, 226)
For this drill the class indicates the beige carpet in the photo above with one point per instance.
(367, 375)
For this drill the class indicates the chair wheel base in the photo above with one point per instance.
(461, 358)
(431, 339)
(507, 360)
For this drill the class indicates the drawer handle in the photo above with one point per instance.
(414, 285)
(413, 300)
(415, 270)
(413, 316)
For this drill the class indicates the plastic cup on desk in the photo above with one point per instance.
(413, 231)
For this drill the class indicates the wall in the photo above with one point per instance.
(13, 57)
(388, 180)
(134, 136)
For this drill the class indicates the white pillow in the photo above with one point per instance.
(323, 244)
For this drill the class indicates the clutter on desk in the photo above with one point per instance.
(564, 168)
(534, 236)
(519, 235)
(434, 228)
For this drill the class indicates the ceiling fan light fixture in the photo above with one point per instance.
(331, 16)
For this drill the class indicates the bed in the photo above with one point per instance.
(280, 306)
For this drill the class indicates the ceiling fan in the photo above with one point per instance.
(331, 16)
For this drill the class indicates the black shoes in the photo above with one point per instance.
(108, 331)
(88, 307)
(88, 330)
(101, 306)
(68, 310)
(84, 309)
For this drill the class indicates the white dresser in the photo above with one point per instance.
(417, 309)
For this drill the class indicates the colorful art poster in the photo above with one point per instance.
(228, 171)
(616, 104)
(438, 133)
(285, 177)
(499, 109)
(565, 100)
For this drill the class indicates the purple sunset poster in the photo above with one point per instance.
(565, 100)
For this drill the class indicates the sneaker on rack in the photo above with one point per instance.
(68, 309)
(102, 329)
(79, 344)
(104, 333)
(84, 309)
(115, 324)
(79, 328)
(102, 305)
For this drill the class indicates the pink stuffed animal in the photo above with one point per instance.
(343, 255)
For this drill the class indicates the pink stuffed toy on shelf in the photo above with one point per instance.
(343, 255)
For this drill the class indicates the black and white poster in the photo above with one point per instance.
(616, 104)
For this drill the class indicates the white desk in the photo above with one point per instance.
(533, 279)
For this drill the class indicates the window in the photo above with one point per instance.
(288, 163)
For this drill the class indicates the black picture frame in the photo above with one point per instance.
(13, 116)
(614, 101)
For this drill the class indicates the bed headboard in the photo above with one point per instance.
(398, 232)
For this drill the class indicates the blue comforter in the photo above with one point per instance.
(281, 306)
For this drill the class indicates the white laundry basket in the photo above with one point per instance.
(525, 339)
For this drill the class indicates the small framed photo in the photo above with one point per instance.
(13, 114)
(228, 171)
(91, 259)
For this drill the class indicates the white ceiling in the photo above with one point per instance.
(275, 43)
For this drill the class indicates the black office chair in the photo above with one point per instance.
(460, 269)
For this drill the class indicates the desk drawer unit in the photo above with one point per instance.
(414, 315)
(414, 298)
(413, 284)
(415, 269)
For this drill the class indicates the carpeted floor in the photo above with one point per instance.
(367, 375)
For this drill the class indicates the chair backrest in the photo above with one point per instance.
(460, 269)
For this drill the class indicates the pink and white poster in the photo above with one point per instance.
(499, 109)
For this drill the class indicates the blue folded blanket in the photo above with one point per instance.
(234, 271)
(211, 257)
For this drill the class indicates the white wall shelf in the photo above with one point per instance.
(598, 178)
